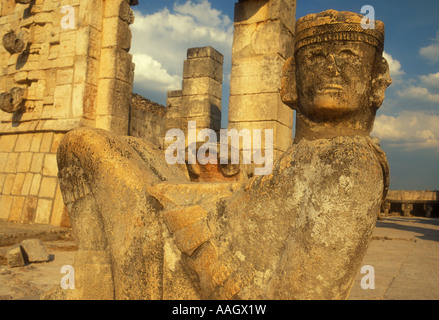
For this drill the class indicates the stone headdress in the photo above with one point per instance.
(332, 25)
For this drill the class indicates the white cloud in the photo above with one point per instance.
(204, 14)
(431, 52)
(420, 94)
(431, 82)
(409, 130)
(421, 91)
(151, 71)
(394, 66)
(161, 39)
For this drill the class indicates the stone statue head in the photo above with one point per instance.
(337, 77)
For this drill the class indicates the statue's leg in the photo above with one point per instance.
(93, 271)
(104, 179)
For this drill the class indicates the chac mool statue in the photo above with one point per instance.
(301, 232)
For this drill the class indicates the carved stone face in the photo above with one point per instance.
(334, 79)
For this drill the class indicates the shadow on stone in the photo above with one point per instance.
(427, 233)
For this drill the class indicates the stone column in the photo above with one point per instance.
(202, 88)
(115, 75)
(263, 40)
(386, 208)
(200, 98)
(428, 209)
(406, 209)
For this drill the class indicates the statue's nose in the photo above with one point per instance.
(331, 65)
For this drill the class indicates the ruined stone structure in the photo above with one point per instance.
(63, 64)
(147, 120)
(66, 64)
(200, 98)
(407, 203)
(262, 42)
(199, 104)
(146, 232)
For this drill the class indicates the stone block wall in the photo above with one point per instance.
(413, 195)
(174, 106)
(29, 185)
(74, 70)
(56, 78)
(116, 70)
(263, 40)
(147, 120)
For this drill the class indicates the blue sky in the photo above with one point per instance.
(408, 121)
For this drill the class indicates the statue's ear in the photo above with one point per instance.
(288, 91)
(380, 81)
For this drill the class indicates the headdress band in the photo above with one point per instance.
(332, 25)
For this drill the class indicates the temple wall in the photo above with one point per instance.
(75, 70)
(28, 179)
(147, 120)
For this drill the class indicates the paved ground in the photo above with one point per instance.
(404, 254)
(30, 281)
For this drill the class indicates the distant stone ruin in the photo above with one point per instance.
(412, 203)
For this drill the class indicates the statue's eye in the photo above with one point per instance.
(347, 54)
(316, 56)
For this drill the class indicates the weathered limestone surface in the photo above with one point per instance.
(147, 120)
(199, 102)
(53, 79)
(121, 241)
(11, 102)
(263, 40)
(411, 195)
(12, 43)
(28, 251)
(28, 179)
(214, 170)
(299, 232)
(200, 97)
(35, 250)
(15, 257)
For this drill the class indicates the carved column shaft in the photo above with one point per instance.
(263, 40)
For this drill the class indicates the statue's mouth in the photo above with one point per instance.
(331, 88)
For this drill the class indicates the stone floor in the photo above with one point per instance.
(404, 254)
